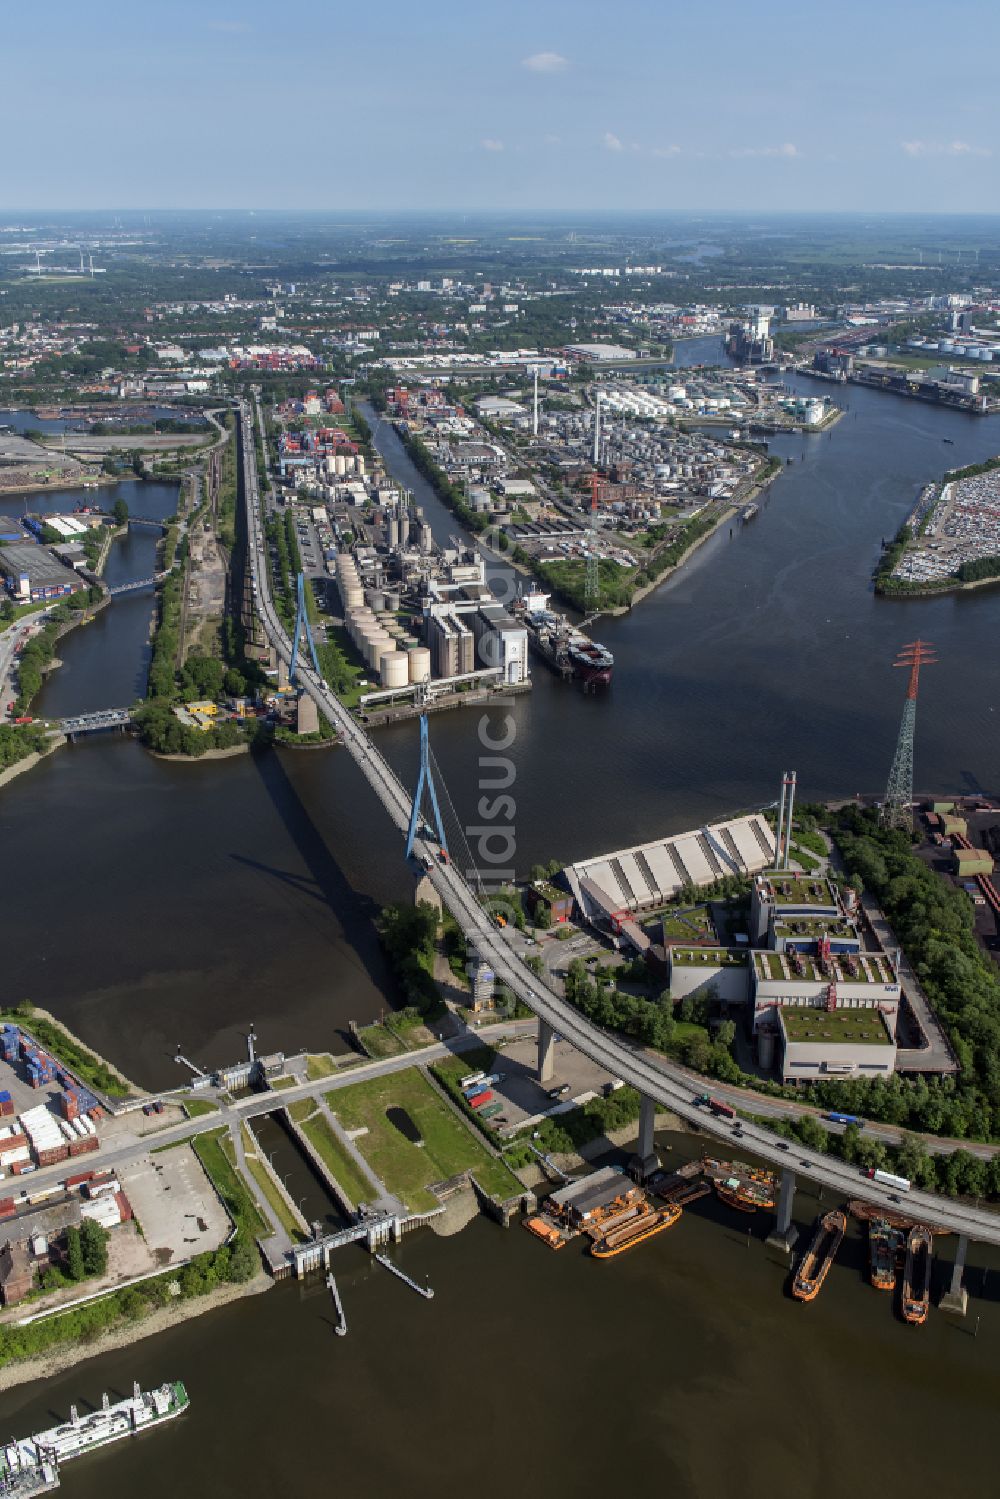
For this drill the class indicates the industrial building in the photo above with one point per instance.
(834, 1044)
(32, 573)
(650, 875)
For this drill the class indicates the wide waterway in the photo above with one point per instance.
(157, 902)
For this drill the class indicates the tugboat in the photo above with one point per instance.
(816, 1262)
(882, 1240)
(917, 1276)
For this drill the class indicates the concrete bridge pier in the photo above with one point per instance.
(647, 1123)
(956, 1298)
(784, 1234)
(546, 1052)
(646, 1160)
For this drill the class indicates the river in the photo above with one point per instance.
(157, 902)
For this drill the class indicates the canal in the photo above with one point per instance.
(157, 902)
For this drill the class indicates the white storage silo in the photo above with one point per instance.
(394, 669)
(419, 663)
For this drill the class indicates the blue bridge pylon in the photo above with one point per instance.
(302, 623)
(425, 779)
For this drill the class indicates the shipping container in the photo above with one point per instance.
(480, 1099)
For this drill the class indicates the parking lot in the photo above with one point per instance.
(525, 1098)
(176, 1204)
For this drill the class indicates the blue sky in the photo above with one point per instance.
(738, 104)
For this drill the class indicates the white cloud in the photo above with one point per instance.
(491, 145)
(943, 148)
(553, 140)
(787, 151)
(545, 62)
(231, 27)
(665, 151)
(611, 142)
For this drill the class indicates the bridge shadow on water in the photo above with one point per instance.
(324, 881)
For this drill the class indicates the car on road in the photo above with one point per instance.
(559, 1092)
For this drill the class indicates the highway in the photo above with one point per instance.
(662, 1081)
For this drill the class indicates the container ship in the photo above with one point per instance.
(815, 1264)
(917, 1275)
(31, 1465)
(882, 1242)
(561, 645)
(631, 1228)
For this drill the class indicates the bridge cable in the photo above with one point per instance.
(442, 786)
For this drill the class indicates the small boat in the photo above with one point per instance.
(917, 1275)
(882, 1240)
(949, 440)
(815, 1263)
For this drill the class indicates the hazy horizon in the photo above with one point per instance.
(543, 108)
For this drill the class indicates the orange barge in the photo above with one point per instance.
(815, 1264)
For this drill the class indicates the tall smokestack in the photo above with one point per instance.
(597, 430)
(534, 419)
(788, 824)
(779, 830)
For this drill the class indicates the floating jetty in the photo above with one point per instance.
(408, 1280)
(32, 1464)
(613, 1212)
(917, 1275)
(338, 1306)
(815, 1263)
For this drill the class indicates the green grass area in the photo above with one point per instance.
(20, 610)
(58, 1042)
(214, 1151)
(804, 860)
(791, 889)
(709, 957)
(196, 1107)
(319, 1064)
(343, 667)
(841, 1027)
(343, 1165)
(280, 1083)
(269, 1190)
(812, 926)
(378, 1041)
(687, 923)
(447, 1146)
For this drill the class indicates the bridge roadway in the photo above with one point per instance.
(661, 1081)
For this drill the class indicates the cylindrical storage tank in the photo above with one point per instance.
(410, 641)
(394, 669)
(419, 659)
(353, 595)
(392, 601)
(426, 538)
(375, 599)
(340, 463)
(380, 649)
(359, 620)
(375, 636)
